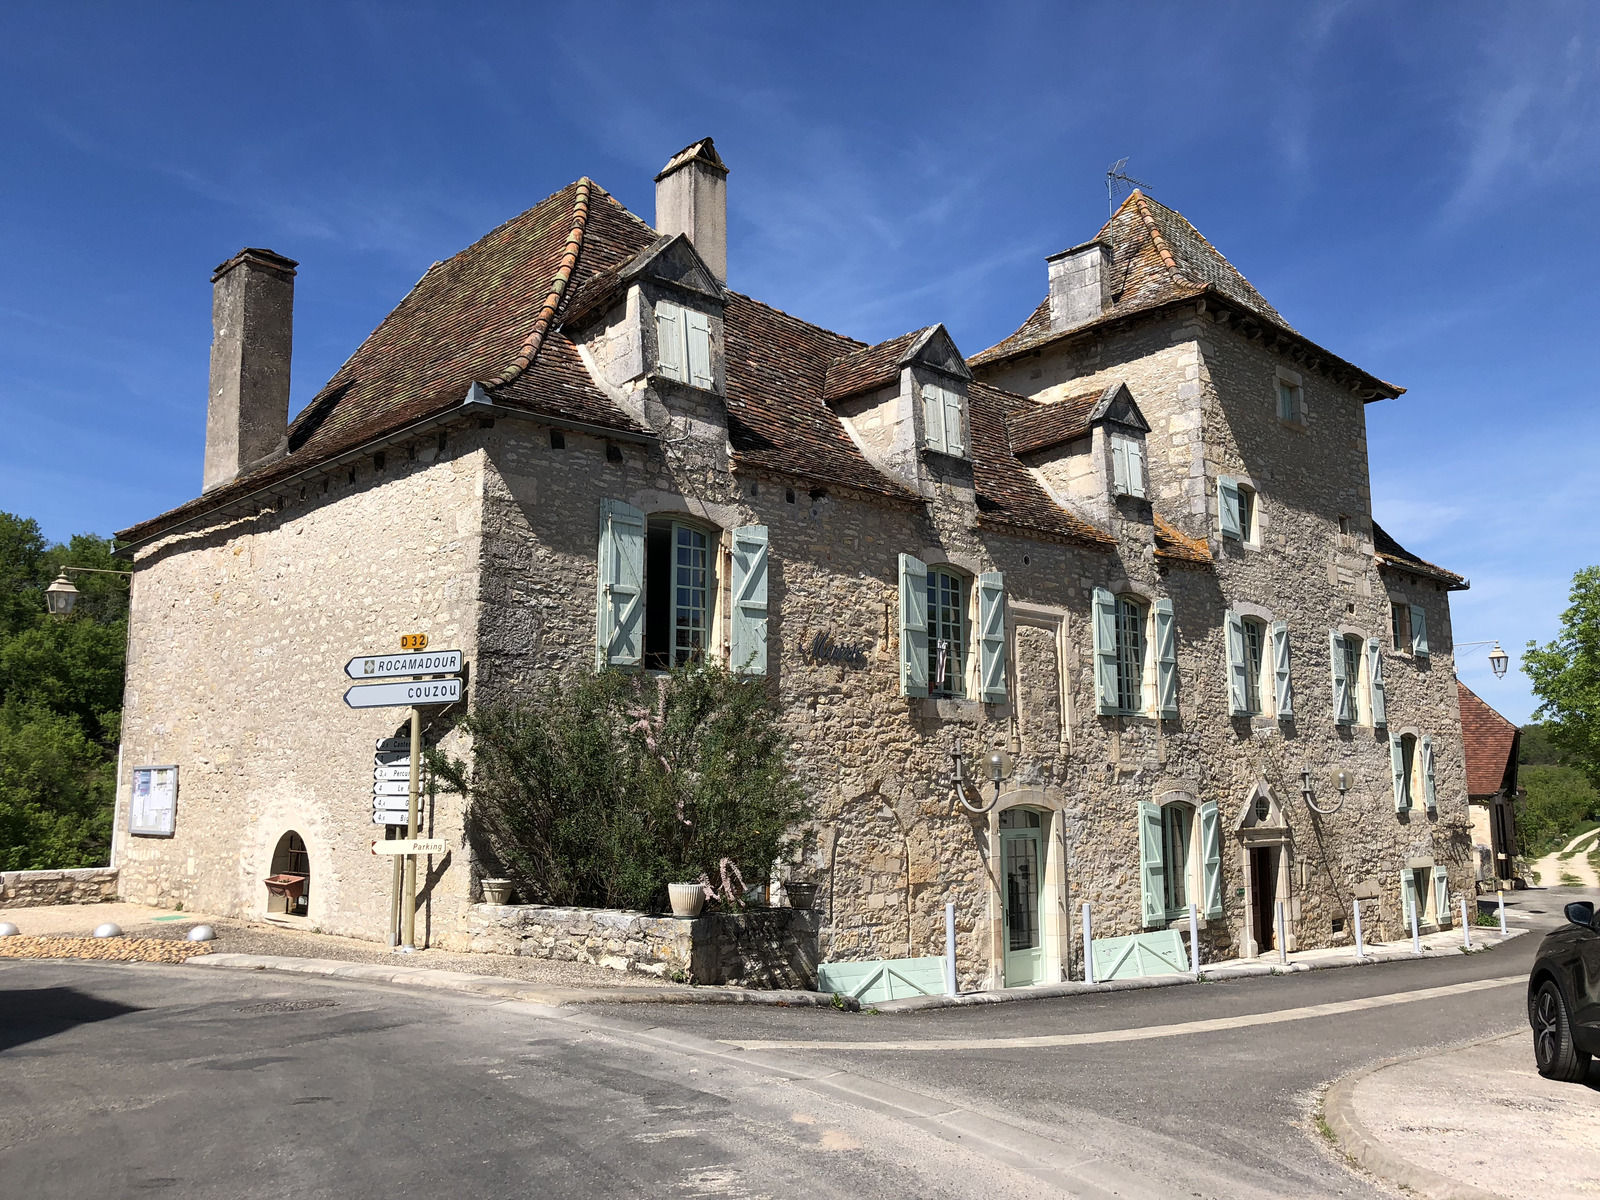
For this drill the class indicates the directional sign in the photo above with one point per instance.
(392, 787)
(396, 666)
(389, 816)
(401, 746)
(404, 695)
(401, 771)
(411, 846)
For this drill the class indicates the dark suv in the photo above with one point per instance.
(1564, 996)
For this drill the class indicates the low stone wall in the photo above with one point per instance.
(34, 889)
(760, 948)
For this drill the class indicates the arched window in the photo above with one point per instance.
(947, 632)
(290, 884)
(680, 591)
(1130, 654)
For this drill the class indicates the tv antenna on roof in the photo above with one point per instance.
(1117, 178)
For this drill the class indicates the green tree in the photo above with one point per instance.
(1559, 802)
(1534, 748)
(1566, 678)
(60, 700)
(604, 788)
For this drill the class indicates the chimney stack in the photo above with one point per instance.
(252, 320)
(1080, 284)
(692, 198)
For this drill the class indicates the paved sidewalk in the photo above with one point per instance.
(1476, 1122)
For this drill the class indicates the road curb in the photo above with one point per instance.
(1357, 1143)
(502, 988)
(1216, 974)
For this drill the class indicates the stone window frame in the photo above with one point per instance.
(1293, 379)
(718, 519)
(936, 559)
(1361, 686)
(1254, 532)
(1267, 679)
(1127, 589)
(1194, 881)
(1053, 621)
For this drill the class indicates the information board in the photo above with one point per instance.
(154, 810)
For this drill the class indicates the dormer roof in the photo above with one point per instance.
(878, 366)
(1041, 426)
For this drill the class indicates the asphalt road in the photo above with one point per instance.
(120, 1080)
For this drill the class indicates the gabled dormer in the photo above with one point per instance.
(1088, 451)
(905, 403)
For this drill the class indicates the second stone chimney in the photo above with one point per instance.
(1080, 284)
(252, 321)
(692, 199)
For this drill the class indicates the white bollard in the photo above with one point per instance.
(1502, 914)
(1088, 947)
(1283, 940)
(950, 949)
(1416, 933)
(1466, 927)
(1194, 939)
(1361, 946)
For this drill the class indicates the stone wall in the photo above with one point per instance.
(759, 948)
(240, 632)
(34, 889)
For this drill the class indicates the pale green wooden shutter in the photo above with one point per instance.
(1380, 708)
(1408, 898)
(1428, 792)
(1343, 708)
(699, 330)
(1397, 761)
(1238, 694)
(1281, 671)
(954, 443)
(619, 616)
(992, 637)
(669, 340)
(1441, 894)
(1105, 651)
(1211, 853)
(933, 417)
(748, 640)
(913, 626)
(1166, 660)
(1119, 466)
(1419, 631)
(1152, 882)
(1228, 507)
(1135, 468)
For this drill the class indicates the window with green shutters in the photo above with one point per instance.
(947, 645)
(1127, 466)
(1344, 661)
(1177, 828)
(1130, 655)
(1180, 861)
(1255, 636)
(683, 345)
(944, 419)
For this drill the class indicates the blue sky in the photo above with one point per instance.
(1414, 186)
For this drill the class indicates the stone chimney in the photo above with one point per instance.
(252, 320)
(692, 199)
(1080, 284)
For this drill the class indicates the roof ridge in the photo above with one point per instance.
(558, 287)
(1155, 233)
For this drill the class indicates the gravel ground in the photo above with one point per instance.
(247, 937)
(113, 949)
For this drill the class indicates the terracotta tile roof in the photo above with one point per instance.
(1173, 543)
(1491, 745)
(1040, 426)
(1392, 553)
(1158, 259)
(869, 368)
(1008, 495)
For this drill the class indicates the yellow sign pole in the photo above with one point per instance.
(408, 937)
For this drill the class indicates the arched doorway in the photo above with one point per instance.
(289, 886)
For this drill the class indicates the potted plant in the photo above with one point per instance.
(687, 899)
(497, 891)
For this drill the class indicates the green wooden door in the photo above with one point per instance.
(1022, 860)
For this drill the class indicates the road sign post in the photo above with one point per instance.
(408, 939)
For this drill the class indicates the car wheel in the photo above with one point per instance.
(1553, 1049)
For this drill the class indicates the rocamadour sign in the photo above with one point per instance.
(392, 666)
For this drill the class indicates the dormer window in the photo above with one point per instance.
(943, 417)
(683, 345)
(1127, 466)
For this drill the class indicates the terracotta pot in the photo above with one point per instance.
(801, 895)
(290, 887)
(687, 899)
(497, 891)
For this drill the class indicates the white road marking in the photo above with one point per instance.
(1140, 1033)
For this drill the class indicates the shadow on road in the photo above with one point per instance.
(28, 1014)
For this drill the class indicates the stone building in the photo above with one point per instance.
(1131, 545)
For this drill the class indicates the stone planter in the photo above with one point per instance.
(801, 895)
(497, 891)
(687, 899)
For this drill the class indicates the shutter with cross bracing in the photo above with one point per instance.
(748, 636)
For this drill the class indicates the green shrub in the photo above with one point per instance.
(602, 789)
(1559, 803)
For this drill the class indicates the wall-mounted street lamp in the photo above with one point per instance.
(1499, 660)
(1310, 797)
(61, 596)
(996, 766)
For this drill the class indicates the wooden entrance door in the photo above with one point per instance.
(1263, 907)
(1022, 860)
